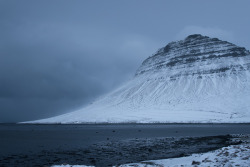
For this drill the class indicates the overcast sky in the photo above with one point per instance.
(57, 56)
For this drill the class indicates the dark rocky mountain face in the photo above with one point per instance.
(197, 55)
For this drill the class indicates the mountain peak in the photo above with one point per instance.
(189, 40)
(195, 36)
(195, 54)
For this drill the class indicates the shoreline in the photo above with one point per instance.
(20, 123)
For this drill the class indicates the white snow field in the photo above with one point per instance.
(196, 80)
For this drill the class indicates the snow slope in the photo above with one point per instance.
(195, 80)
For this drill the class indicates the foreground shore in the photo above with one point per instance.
(110, 145)
(235, 155)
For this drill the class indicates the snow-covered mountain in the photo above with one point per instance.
(198, 79)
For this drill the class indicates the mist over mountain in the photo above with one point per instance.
(198, 79)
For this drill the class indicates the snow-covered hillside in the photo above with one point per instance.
(198, 79)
